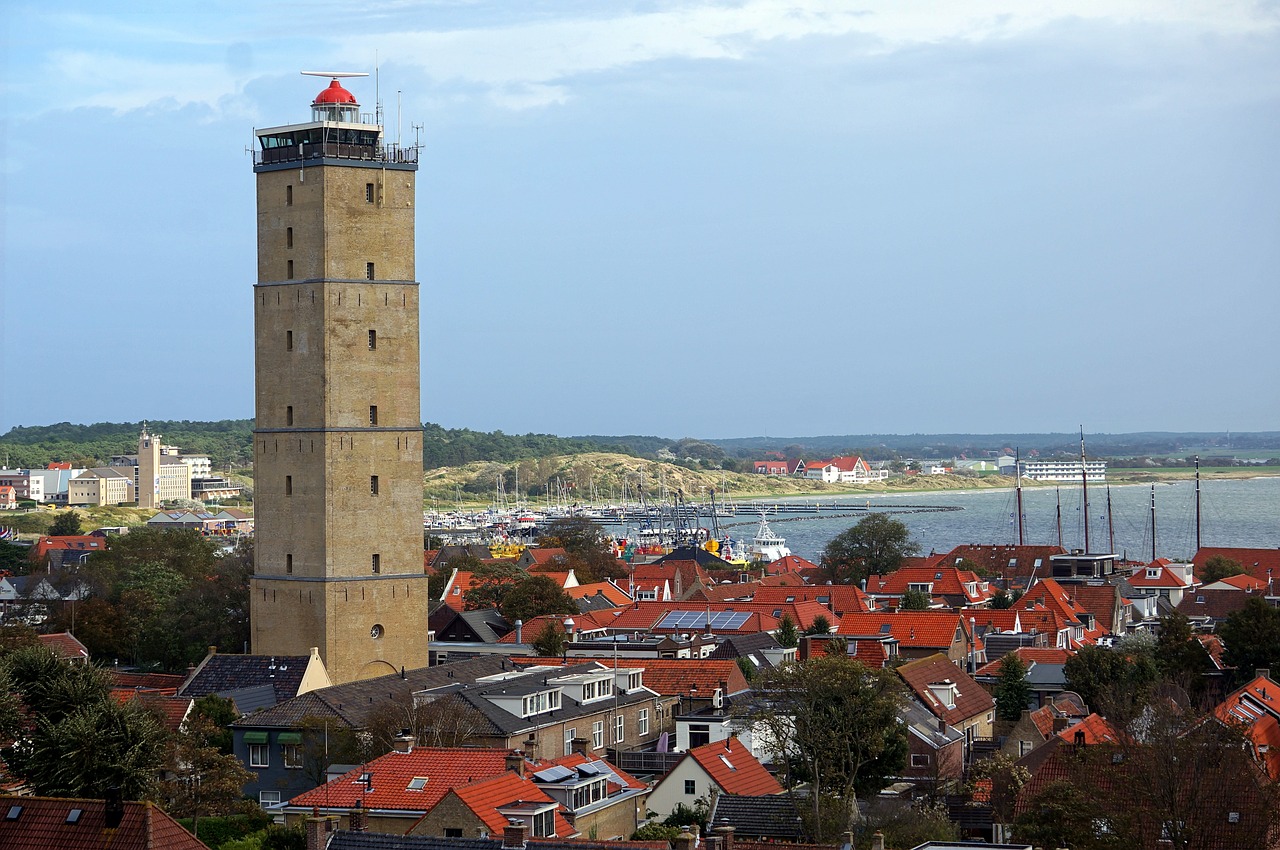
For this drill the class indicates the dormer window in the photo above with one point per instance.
(1153, 574)
(541, 702)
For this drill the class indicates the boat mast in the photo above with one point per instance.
(1084, 484)
(1058, 492)
(1153, 522)
(1111, 525)
(1017, 464)
(1197, 503)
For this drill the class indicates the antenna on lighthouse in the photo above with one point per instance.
(334, 74)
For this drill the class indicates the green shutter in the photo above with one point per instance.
(255, 737)
(289, 737)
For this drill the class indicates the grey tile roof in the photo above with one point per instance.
(343, 840)
(220, 674)
(740, 646)
(354, 702)
(774, 816)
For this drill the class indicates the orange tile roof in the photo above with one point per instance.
(970, 701)
(840, 598)
(129, 679)
(912, 629)
(782, 580)
(80, 542)
(1259, 563)
(607, 589)
(545, 556)
(946, 581)
(674, 676)
(1243, 581)
(42, 823)
(736, 591)
(791, 564)
(485, 796)
(443, 767)
(1095, 729)
(732, 766)
(590, 623)
(66, 645)
(645, 616)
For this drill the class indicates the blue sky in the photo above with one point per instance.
(681, 218)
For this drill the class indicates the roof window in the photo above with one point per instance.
(417, 783)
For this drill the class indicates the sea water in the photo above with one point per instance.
(1233, 512)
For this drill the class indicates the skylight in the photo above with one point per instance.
(417, 783)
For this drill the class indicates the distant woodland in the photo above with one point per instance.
(229, 443)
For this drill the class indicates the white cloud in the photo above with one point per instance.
(553, 51)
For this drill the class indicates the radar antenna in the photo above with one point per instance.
(334, 74)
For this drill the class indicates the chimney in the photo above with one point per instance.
(686, 840)
(519, 631)
(579, 746)
(114, 811)
(514, 834)
(1060, 723)
(1264, 672)
(403, 743)
(358, 818)
(877, 840)
(942, 726)
(515, 761)
(317, 829)
(726, 836)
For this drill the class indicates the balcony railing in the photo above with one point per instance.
(336, 150)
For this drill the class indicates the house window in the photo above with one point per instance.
(544, 824)
(690, 787)
(288, 340)
(452, 832)
(373, 485)
(288, 564)
(288, 485)
(597, 734)
(919, 760)
(368, 193)
(699, 734)
(642, 722)
(373, 339)
(288, 196)
(288, 415)
(268, 798)
(619, 729)
(288, 237)
(569, 735)
(289, 271)
(373, 414)
(377, 563)
(292, 755)
(259, 756)
(368, 271)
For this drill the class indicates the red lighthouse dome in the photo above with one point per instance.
(335, 93)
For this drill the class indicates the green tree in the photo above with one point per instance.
(97, 746)
(65, 525)
(788, 635)
(1001, 600)
(492, 583)
(1219, 567)
(833, 723)
(1064, 815)
(1179, 657)
(201, 780)
(820, 626)
(1114, 683)
(875, 546)
(915, 600)
(587, 548)
(14, 558)
(1012, 690)
(1251, 637)
(535, 596)
(220, 713)
(550, 641)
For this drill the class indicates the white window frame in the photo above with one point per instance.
(597, 734)
(264, 798)
(291, 756)
(642, 722)
(569, 735)
(619, 728)
(259, 755)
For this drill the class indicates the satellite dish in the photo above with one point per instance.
(334, 74)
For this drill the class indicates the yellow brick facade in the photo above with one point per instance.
(337, 448)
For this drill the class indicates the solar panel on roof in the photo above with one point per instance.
(554, 773)
(588, 770)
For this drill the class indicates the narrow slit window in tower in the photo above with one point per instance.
(288, 563)
(373, 485)
(288, 196)
(377, 563)
(288, 415)
(288, 237)
(368, 271)
(288, 485)
(288, 340)
(289, 275)
(373, 340)
(373, 414)
(368, 193)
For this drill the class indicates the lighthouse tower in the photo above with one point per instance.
(337, 443)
